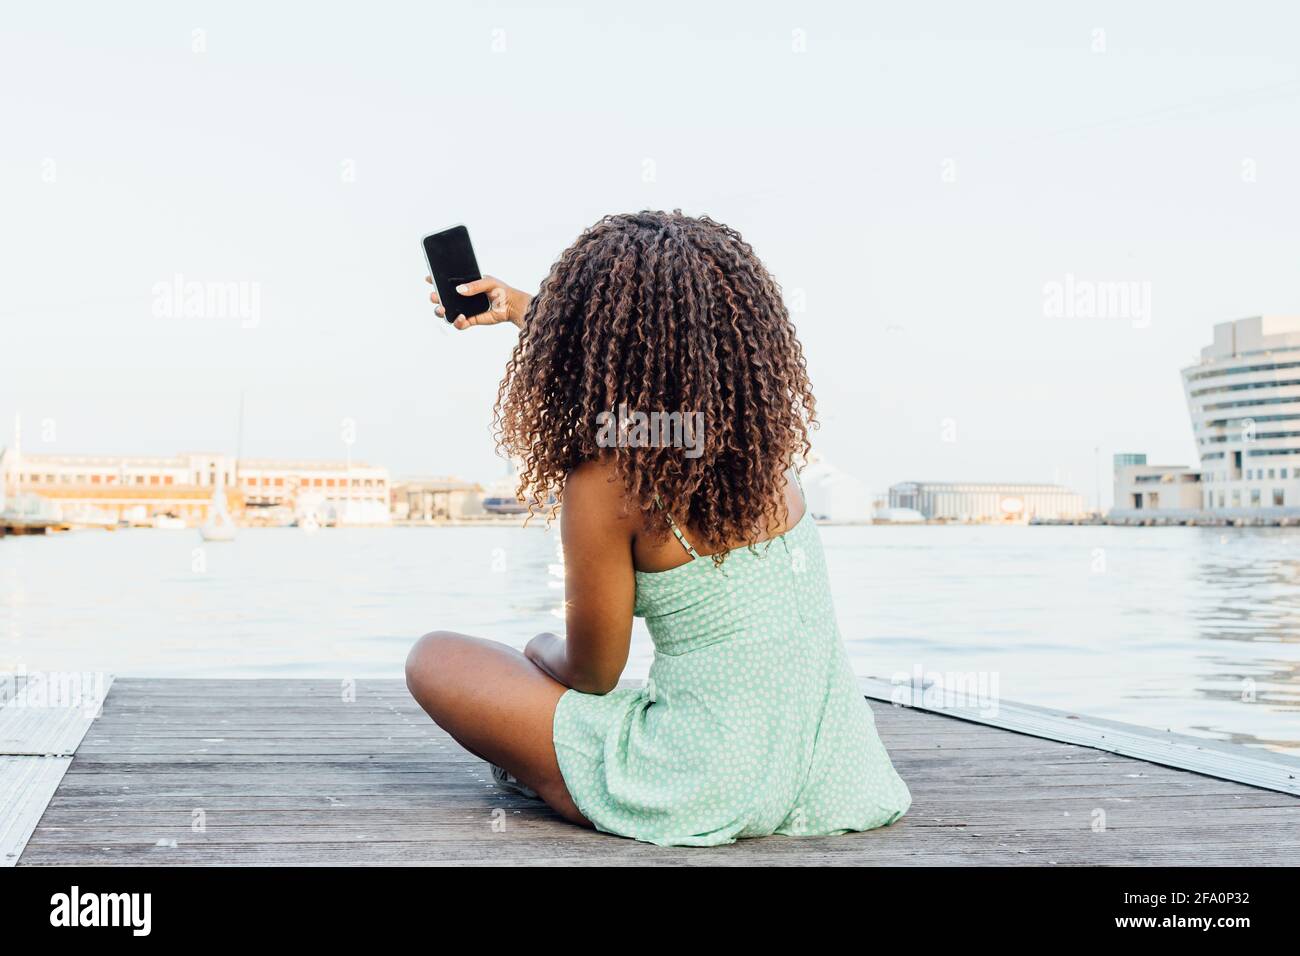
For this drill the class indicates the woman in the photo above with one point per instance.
(751, 722)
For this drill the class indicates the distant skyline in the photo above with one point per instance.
(41, 451)
(922, 182)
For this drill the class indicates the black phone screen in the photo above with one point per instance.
(451, 262)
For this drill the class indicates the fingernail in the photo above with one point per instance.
(461, 289)
(460, 318)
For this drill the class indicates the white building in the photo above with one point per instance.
(987, 501)
(1140, 487)
(436, 498)
(334, 492)
(1244, 400)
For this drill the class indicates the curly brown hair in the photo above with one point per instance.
(670, 313)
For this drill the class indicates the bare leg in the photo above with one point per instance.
(497, 704)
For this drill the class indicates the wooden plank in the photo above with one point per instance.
(505, 848)
(1076, 813)
(1006, 781)
(933, 806)
(529, 835)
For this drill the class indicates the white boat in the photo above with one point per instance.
(500, 499)
(219, 526)
(168, 522)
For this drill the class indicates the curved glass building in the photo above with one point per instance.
(1244, 400)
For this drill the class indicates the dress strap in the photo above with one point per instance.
(802, 494)
(681, 538)
(677, 532)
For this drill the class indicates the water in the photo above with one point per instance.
(1191, 629)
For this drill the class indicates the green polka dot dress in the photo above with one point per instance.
(751, 721)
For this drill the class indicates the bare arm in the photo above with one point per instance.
(599, 586)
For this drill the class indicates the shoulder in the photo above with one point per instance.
(594, 494)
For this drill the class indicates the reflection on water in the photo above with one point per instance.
(1192, 629)
(1189, 629)
(1248, 583)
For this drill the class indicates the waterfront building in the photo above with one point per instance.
(437, 498)
(1154, 488)
(987, 501)
(1244, 400)
(109, 489)
(330, 492)
(1243, 397)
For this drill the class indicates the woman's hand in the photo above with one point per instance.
(506, 304)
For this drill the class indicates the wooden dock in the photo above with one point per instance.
(234, 772)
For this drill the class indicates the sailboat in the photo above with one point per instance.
(219, 526)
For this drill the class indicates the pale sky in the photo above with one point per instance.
(914, 177)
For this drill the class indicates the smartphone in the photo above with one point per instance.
(451, 263)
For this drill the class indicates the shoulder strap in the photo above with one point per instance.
(802, 494)
(681, 538)
(677, 532)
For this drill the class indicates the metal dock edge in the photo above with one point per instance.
(37, 743)
(1212, 758)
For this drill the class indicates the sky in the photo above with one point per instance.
(916, 177)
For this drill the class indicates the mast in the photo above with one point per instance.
(239, 440)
